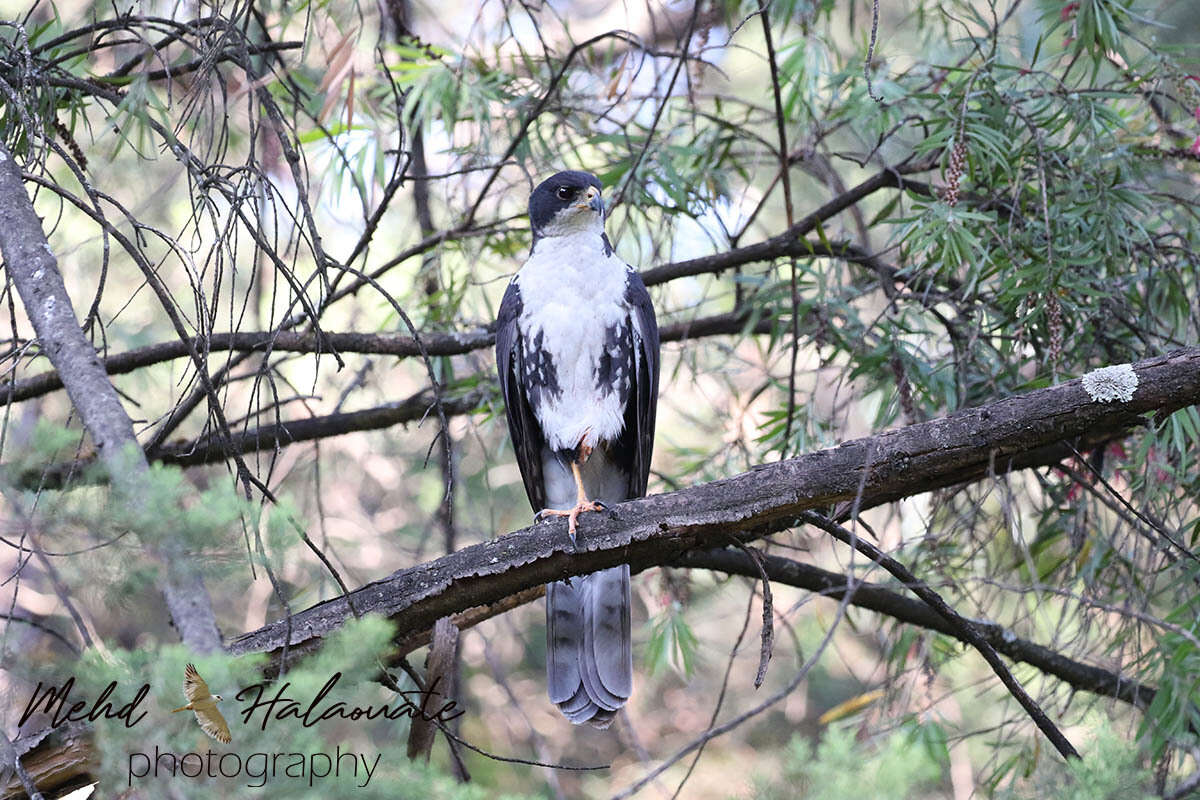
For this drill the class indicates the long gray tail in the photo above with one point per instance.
(589, 653)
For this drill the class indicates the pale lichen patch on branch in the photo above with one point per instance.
(1107, 384)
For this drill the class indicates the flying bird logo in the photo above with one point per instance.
(204, 705)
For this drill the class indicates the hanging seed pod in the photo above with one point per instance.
(903, 389)
(1054, 322)
(958, 163)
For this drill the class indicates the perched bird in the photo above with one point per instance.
(204, 705)
(577, 353)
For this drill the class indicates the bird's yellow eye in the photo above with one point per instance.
(565, 192)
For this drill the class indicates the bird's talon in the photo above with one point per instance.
(572, 514)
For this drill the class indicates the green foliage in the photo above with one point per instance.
(439, 87)
(48, 442)
(672, 642)
(1111, 769)
(904, 765)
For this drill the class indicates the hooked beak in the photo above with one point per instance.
(594, 201)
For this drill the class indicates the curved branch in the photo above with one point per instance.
(965, 628)
(872, 596)
(792, 242)
(1018, 432)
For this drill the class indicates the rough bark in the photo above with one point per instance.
(1033, 429)
(56, 762)
(34, 271)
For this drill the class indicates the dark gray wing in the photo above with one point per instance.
(528, 440)
(636, 443)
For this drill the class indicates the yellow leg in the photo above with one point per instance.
(581, 496)
(582, 504)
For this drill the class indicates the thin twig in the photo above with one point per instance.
(712, 721)
(965, 626)
(786, 180)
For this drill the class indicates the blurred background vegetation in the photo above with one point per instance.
(364, 168)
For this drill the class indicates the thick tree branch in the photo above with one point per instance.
(1014, 433)
(56, 762)
(45, 760)
(34, 270)
(682, 528)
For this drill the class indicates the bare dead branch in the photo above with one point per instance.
(792, 242)
(436, 344)
(212, 449)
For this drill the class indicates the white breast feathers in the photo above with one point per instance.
(573, 309)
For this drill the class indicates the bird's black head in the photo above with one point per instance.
(566, 203)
